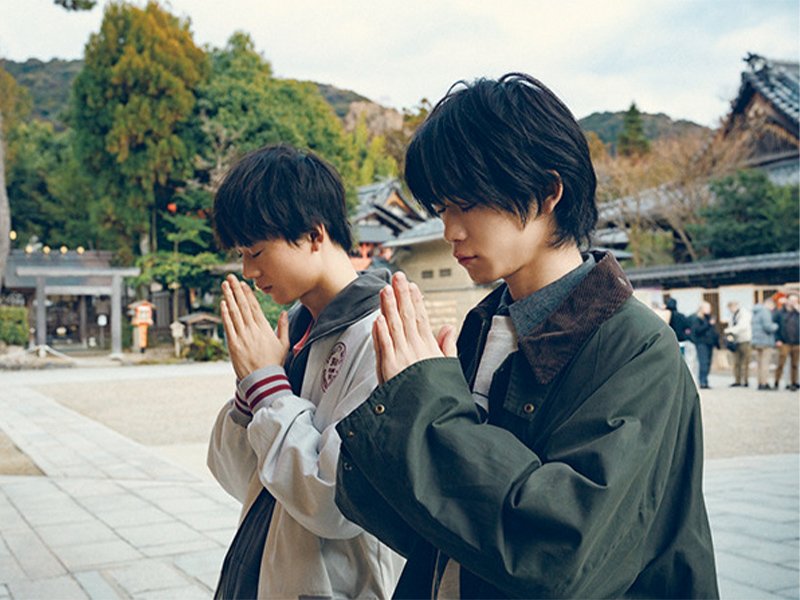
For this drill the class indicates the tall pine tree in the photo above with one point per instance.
(632, 142)
(129, 109)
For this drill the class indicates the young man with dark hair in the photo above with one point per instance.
(274, 446)
(560, 455)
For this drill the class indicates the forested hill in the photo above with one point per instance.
(608, 125)
(49, 84)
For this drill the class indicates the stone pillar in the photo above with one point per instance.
(41, 312)
(116, 315)
(83, 318)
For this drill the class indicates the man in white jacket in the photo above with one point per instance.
(274, 446)
(741, 331)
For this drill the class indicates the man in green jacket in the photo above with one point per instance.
(560, 456)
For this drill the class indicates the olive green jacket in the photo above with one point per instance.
(584, 483)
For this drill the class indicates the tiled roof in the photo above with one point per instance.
(777, 81)
(766, 268)
(373, 234)
(427, 231)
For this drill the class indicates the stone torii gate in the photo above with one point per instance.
(44, 277)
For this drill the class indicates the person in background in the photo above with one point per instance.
(705, 338)
(678, 321)
(788, 341)
(682, 327)
(763, 328)
(741, 331)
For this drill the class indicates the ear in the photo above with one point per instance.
(554, 192)
(318, 235)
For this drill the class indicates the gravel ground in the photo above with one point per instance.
(745, 421)
(175, 416)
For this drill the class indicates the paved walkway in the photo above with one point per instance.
(114, 519)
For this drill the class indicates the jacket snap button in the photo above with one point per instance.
(351, 434)
(346, 466)
(380, 409)
(528, 408)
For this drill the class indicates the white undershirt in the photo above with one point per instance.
(500, 342)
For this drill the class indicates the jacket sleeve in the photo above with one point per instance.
(565, 522)
(742, 328)
(766, 322)
(781, 330)
(230, 457)
(296, 459)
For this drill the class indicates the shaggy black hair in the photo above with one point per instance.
(280, 192)
(505, 144)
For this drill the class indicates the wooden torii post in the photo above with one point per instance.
(44, 275)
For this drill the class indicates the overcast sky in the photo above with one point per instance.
(679, 57)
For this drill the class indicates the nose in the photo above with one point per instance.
(453, 230)
(249, 268)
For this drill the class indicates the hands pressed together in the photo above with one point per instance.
(252, 343)
(402, 333)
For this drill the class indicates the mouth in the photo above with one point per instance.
(464, 259)
(266, 289)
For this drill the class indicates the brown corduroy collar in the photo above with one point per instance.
(553, 344)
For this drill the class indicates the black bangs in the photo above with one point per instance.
(505, 144)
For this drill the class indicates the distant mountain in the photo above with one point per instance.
(340, 99)
(608, 125)
(49, 84)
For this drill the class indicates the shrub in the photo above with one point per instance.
(14, 325)
(205, 349)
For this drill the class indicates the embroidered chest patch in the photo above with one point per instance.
(333, 365)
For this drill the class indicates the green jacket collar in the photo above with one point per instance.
(553, 344)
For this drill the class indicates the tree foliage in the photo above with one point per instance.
(15, 105)
(130, 107)
(243, 106)
(632, 141)
(608, 125)
(15, 101)
(750, 215)
(397, 141)
(51, 195)
(76, 4)
(49, 84)
(666, 189)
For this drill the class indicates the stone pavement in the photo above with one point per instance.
(114, 519)
(111, 518)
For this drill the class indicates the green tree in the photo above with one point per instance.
(76, 4)
(632, 141)
(370, 158)
(750, 215)
(15, 106)
(130, 108)
(243, 107)
(52, 197)
(397, 141)
(5, 211)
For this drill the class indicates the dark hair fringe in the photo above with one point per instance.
(505, 144)
(280, 192)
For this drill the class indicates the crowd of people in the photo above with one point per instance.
(771, 332)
